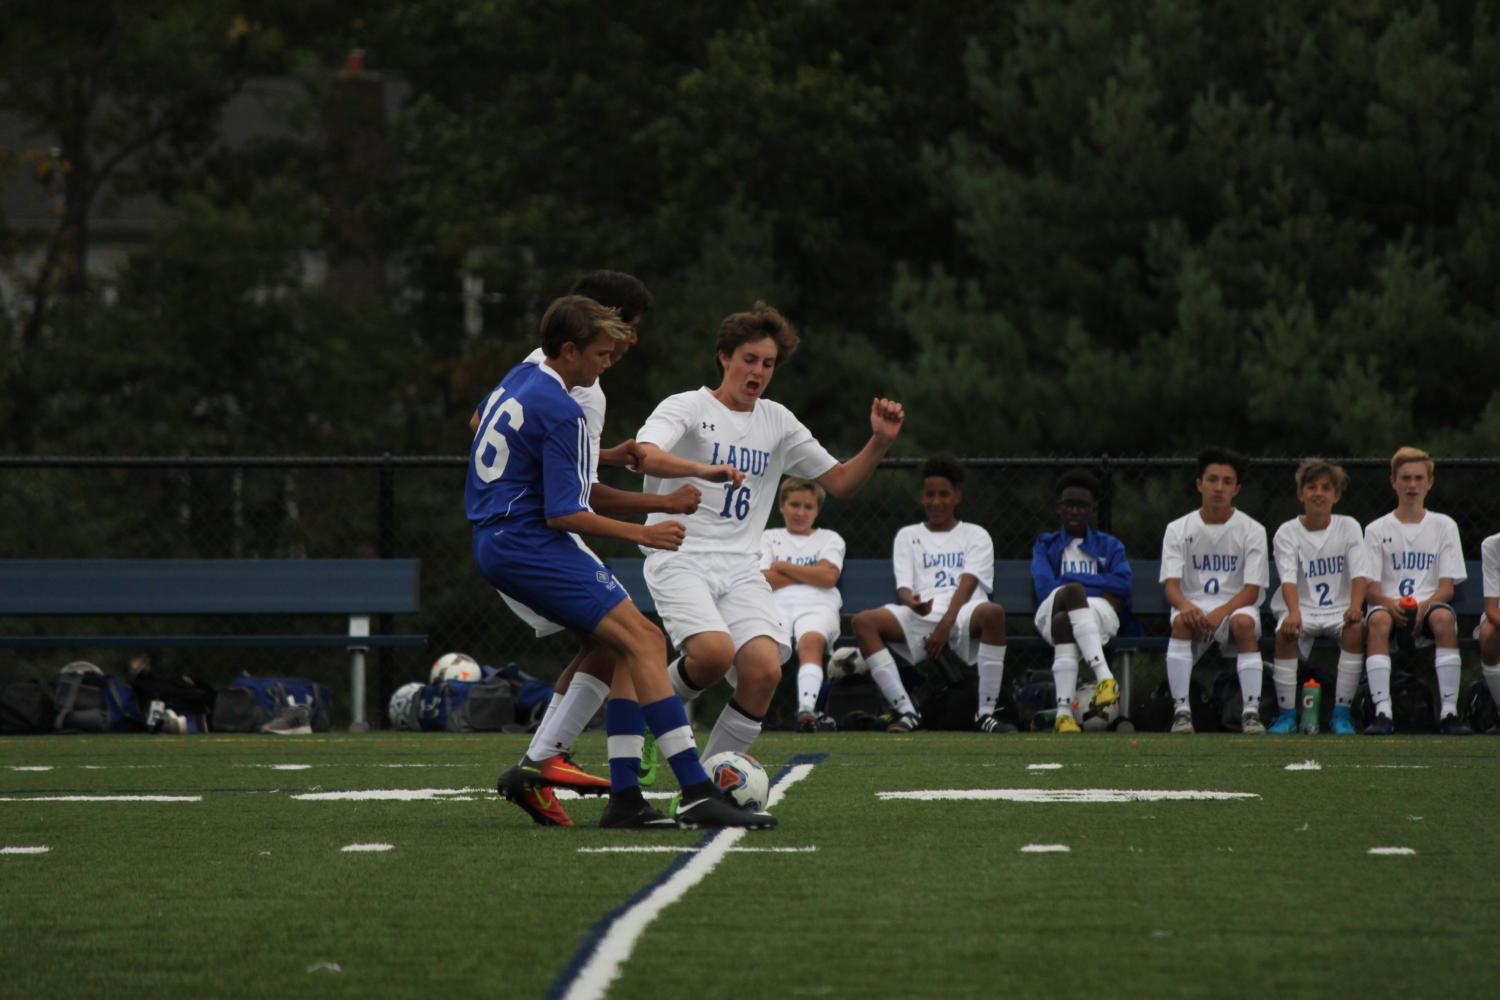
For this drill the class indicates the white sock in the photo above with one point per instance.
(1449, 666)
(1284, 676)
(734, 731)
(567, 717)
(1378, 672)
(991, 670)
(1492, 679)
(1179, 670)
(888, 677)
(1346, 685)
(809, 683)
(1250, 669)
(1086, 634)
(684, 688)
(1065, 675)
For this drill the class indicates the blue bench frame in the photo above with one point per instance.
(869, 583)
(356, 588)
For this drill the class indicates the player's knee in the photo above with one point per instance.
(1180, 629)
(1073, 596)
(1241, 627)
(1378, 625)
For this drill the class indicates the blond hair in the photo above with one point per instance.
(1409, 454)
(1317, 468)
(791, 485)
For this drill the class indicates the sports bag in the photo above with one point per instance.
(87, 700)
(25, 708)
(246, 704)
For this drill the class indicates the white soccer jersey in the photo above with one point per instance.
(930, 563)
(1324, 565)
(1410, 559)
(819, 545)
(1489, 560)
(765, 443)
(1214, 561)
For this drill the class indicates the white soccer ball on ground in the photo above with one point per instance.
(455, 667)
(846, 661)
(400, 709)
(1092, 719)
(741, 776)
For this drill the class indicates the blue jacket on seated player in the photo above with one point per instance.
(1114, 577)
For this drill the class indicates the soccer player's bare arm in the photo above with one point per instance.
(1292, 623)
(1354, 613)
(628, 503)
(627, 454)
(1247, 597)
(821, 574)
(664, 465)
(662, 535)
(845, 479)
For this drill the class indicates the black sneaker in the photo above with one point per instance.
(619, 816)
(1380, 726)
(1450, 726)
(994, 724)
(718, 810)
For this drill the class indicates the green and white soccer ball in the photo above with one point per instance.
(454, 667)
(741, 776)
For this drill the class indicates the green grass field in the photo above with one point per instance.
(244, 889)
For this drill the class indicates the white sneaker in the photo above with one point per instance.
(1182, 722)
(1250, 723)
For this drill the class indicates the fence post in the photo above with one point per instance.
(385, 547)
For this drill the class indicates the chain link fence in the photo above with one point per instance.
(412, 507)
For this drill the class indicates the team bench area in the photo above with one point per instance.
(869, 583)
(352, 588)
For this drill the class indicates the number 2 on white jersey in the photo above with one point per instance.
(494, 450)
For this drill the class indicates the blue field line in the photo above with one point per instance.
(590, 943)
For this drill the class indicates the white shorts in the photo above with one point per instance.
(1227, 645)
(1109, 620)
(714, 592)
(917, 629)
(1312, 628)
(809, 619)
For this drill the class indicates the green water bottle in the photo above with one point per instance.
(1312, 701)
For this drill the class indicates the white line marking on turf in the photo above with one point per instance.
(1391, 850)
(603, 966)
(665, 849)
(1045, 849)
(1066, 795)
(25, 850)
(1043, 767)
(393, 795)
(31, 767)
(102, 798)
(1306, 765)
(368, 847)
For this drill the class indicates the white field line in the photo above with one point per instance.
(368, 847)
(1306, 765)
(665, 849)
(1392, 850)
(101, 798)
(1044, 767)
(618, 941)
(1045, 849)
(1064, 795)
(40, 849)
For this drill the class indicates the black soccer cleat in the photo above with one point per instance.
(718, 810)
(994, 723)
(1450, 726)
(635, 816)
(1380, 726)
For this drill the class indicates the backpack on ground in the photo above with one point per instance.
(174, 704)
(1229, 702)
(87, 700)
(250, 704)
(25, 707)
(1414, 703)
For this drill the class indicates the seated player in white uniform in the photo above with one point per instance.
(711, 596)
(945, 569)
(1324, 567)
(1417, 554)
(1081, 580)
(1213, 570)
(1488, 629)
(802, 564)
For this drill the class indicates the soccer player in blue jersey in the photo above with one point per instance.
(1081, 580)
(527, 491)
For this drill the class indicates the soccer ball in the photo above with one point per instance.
(454, 667)
(402, 707)
(844, 662)
(740, 775)
(1092, 719)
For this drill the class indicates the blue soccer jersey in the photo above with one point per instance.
(530, 456)
(530, 462)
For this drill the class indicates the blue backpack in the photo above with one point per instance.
(88, 700)
(246, 704)
(505, 700)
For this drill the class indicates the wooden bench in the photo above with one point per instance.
(356, 588)
(869, 583)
